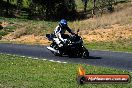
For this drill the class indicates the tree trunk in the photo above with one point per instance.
(94, 6)
(19, 4)
(7, 7)
(85, 4)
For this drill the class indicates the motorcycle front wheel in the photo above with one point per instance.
(85, 54)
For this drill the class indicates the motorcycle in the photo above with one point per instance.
(73, 47)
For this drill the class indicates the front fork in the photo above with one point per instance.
(85, 53)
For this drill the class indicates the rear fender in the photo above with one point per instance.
(50, 37)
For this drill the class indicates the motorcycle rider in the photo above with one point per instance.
(59, 32)
(58, 46)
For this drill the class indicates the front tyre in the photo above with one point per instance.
(85, 54)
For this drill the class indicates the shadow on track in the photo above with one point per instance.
(90, 57)
(93, 57)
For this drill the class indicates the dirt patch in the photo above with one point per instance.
(114, 33)
(27, 39)
(3, 24)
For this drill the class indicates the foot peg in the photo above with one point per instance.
(52, 49)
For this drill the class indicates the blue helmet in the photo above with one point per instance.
(63, 23)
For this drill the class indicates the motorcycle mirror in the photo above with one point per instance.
(78, 30)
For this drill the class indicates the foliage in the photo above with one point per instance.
(123, 45)
(50, 9)
(2, 33)
(53, 9)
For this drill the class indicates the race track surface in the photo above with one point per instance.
(119, 60)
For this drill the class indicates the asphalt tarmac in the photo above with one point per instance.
(120, 60)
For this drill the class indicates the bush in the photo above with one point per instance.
(52, 9)
(10, 28)
(2, 33)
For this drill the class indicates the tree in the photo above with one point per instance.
(94, 6)
(52, 9)
(85, 4)
(7, 7)
(99, 5)
(110, 5)
(19, 5)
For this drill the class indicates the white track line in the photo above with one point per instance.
(35, 58)
(58, 61)
(44, 59)
(22, 56)
(64, 62)
(30, 57)
(52, 60)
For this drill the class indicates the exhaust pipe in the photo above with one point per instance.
(52, 49)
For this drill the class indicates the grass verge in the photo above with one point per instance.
(21, 72)
(118, 45)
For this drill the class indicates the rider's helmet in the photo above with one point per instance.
(63, 23)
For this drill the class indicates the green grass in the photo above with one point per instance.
(31, 26)
(3, 33)
(6, 30)
(10, 28)
(21, 72)
(118, 45)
